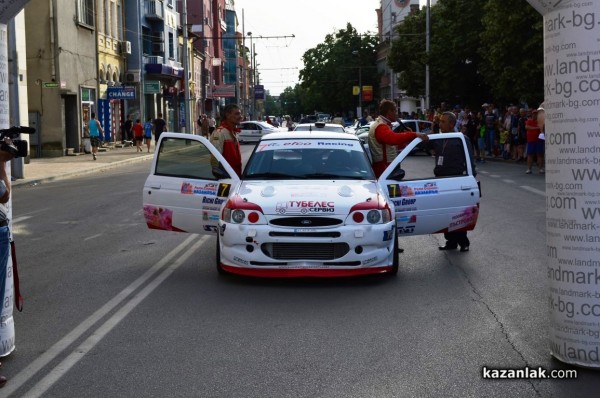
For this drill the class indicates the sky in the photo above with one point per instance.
(280, 59)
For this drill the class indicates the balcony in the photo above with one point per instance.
(154, 60)
(155, 10)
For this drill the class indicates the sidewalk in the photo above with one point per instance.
(52, 169)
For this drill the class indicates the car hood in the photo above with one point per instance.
(322, 197)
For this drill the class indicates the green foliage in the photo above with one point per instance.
(513, 49)
(332, 68)
(480, 50)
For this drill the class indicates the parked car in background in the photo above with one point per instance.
(309, 119)
(418, 126)
(323, 117)
(252, 131)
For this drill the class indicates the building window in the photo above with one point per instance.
(171, 46)
(85, 12)
(119, 21)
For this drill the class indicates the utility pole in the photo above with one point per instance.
(186, 72)
(427, 16)
(359, 109)
(251, 81)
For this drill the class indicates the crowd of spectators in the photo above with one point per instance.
(511, 133)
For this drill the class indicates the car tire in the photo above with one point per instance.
(220, 269)
(396, 261)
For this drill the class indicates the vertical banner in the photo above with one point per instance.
(7, 326)
(572, 120)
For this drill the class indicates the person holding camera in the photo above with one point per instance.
(6, 154)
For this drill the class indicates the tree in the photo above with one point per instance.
(331, 70)
(453, 57)
(512, 50)
(480, 51)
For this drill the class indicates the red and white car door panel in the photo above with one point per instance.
(425, 204)
(181, 192)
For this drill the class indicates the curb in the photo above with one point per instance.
(76, 173)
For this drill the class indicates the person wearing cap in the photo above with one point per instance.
(535, 146)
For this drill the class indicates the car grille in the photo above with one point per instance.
(306, 222)
(305, 251)
(306, 234)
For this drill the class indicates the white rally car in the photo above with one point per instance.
(308, 203)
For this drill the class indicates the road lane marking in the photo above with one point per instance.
(23, 376)
(77, 354)
(92, 237)
(20, 219)
(509, 181)
(533, 190)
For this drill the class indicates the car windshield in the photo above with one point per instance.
(314, 159)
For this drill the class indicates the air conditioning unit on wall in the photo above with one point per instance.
(132, 76)
(125, 47)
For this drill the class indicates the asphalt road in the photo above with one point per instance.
(115, 309)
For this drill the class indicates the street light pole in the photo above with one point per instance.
(427, 16)
(252, 79)
(359, 109)
(186, 71)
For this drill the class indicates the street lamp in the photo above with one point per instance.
(252, 79)
(359, 109)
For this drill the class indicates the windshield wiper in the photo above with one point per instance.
(326, 176)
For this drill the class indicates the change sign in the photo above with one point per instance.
(120, 92)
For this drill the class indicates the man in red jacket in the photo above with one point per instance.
(384, 144)
(224, 138)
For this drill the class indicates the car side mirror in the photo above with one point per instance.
(397, 175)
(219, 172)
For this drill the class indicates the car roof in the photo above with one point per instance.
(317, 126)
(415, 120)
(261, 122)
(317, 134)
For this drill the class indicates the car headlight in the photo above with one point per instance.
(377, 212)
(240, 211)
(373, 216)
(237, 216)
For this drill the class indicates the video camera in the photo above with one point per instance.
(18, 148)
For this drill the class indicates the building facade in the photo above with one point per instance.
(113, 51)
(62, 71)
(126, 57)
(389, 15)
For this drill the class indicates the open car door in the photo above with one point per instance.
(426, 204)
(185, 190)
